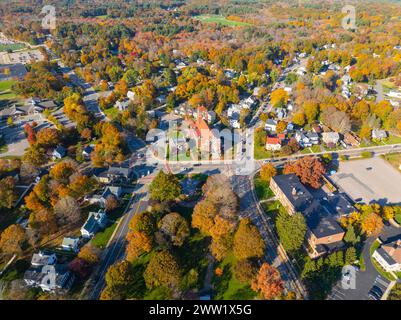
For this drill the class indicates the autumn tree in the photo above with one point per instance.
(267, 172)
(47, 137)
(90, 254)
(246, 270)
(279, 98)
(141, 235)
(308, 169)
(162, 270)
(268, 282)
(12, 239)
(7, 193)
(118, 278)
(247, 241)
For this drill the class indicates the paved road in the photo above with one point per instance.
(116, 250)
(249, 208)
(90, 97)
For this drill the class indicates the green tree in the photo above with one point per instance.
(165, 187)
(350, 256)
(291, 230)
(350, 236)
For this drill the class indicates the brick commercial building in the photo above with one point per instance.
(324, 234)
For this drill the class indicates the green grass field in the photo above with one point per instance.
(101, 238)
(394, 159)
(5, 90)
(211, 18)
(227, 286)
(12, 47)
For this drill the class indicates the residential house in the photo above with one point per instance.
(273, 143)
(271, 125)
(281, 113)
(379, 134)
(313, 138)
(95, 222)
(70, 244)
(324, 233)
(43, 258)
(389, 256)
(114, 174)
(131, 95)
(330, 138)
(59, 153)
(161, 99)
(302, 139)
(86, 152)
(49, 278)
(122, 105)
(352, 139)
(13, 112)
(206, 115)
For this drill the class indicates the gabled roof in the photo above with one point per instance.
(273, 140)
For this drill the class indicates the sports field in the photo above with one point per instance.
(211, 18)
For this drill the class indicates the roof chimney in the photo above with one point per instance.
(294, 191)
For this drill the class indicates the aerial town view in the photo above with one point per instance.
(200, 150)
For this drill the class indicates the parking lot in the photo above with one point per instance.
(369, 180)
(15, 136)
(363, 285)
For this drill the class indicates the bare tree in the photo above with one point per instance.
(67, 211)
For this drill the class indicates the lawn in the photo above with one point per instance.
(379, 269)
(5, 90)
(227, 287)
(111, 113)
(394, 159)
(397, 218)
(211, 18)
(262, 189)
(101, 238)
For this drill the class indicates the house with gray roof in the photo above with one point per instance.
(95, 222)
(70, 244)
(43, 258)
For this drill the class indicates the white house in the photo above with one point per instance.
(271, 125)
(122, 105)
(59, 153)
(389, 256)
(95, 221)
(131, 95)
(42, 258)
(330, 137)
(70, 244)
(379, 134)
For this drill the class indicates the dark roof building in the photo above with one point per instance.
(324, 233)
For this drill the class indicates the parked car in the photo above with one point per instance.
(375, 293)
